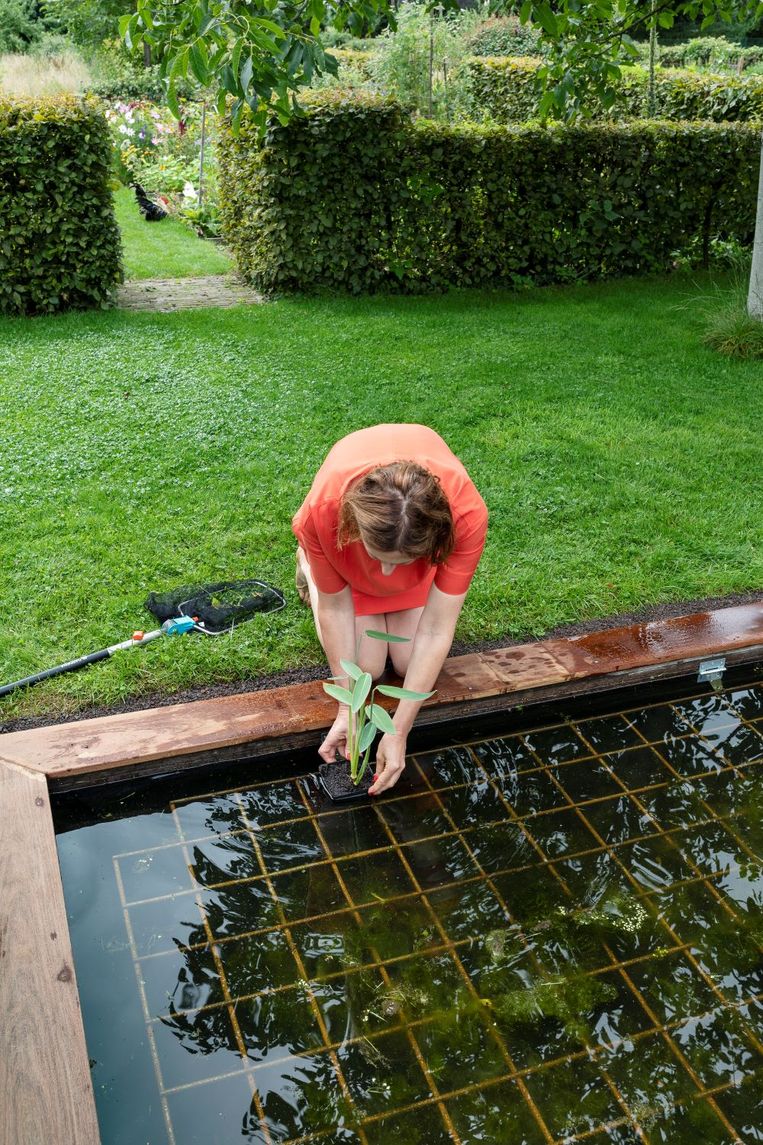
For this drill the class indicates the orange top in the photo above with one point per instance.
(316, 523)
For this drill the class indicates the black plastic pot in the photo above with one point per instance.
(335, 780)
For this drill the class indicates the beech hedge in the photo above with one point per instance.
(355, 196)
(59, 240)
(504, 89)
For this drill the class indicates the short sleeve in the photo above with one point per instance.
(454, 576)
(326, 577)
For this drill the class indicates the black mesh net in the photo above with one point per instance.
(217, 607)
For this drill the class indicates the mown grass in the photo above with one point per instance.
(620, 460)
(167, 249)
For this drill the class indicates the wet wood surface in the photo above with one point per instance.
(298, 711)
(45, 1093)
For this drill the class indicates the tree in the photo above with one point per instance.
(261, 52)
(88, 22)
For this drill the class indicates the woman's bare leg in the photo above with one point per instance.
(402, 623)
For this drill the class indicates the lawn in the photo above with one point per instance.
(167, 249)
(620, 461)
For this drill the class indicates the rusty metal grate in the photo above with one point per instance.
(555, 931)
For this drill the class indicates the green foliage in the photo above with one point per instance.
(505, 89)
(366, 718)
(355, 196)
(734, 332)
(88, 22)
(59, 243)
(509, 91)
(343, 41)
(255, 54)
(353, 71)
(19, 27)
(729, 328)
(422, 62)
(312, 204)
(503, 36)
(710, 52)
(586, 41)
(122, 75)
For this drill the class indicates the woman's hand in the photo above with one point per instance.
(390, 762)
(336, 738)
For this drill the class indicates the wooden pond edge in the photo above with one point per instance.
(46, 1092)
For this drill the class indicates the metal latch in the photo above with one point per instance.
(711, 672)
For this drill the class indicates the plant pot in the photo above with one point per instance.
(335, 780)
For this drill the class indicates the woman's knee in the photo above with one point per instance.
(400, 655)
(372, 654)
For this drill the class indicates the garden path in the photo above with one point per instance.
(167, 294)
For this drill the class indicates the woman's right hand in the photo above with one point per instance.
(336, 738)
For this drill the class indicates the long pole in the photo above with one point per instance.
(755, 296)
(201, 154)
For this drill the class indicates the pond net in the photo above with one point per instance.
(217, 607)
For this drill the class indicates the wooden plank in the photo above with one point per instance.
(432, 716)
(301, 710)
(45, 1089)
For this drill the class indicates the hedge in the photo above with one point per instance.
(710, 51)
(59, 241)
(504, 89)
(356, 196)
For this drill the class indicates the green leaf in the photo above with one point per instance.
(367, 737)
(352, 670)
(402, 693)
(547, 20)
(198, 61)
(245, 75)
(360, 691)
(337, 693)
(172, 99)
(388, 637)
(381, 718)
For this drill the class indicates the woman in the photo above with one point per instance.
(390, 535)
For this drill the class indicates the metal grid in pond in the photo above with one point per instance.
(553, 936)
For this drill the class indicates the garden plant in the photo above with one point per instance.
(366, 718)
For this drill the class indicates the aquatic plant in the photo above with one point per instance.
(566, 1000)
(616, 914)
(367, 718)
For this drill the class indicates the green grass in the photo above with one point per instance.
(619, 458)
(168, 249)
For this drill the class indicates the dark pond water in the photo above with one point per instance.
(541, 937)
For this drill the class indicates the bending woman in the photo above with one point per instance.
(389, 535)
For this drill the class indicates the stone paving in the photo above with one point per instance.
(167, 294)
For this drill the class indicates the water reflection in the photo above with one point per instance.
(523, 904)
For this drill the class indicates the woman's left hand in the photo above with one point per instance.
(390, 762)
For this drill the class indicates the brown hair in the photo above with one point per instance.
(398, 508)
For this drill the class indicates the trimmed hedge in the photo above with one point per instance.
(709, 51)
(312, 206)
(355, 196)
(59, 241)
(504, 89)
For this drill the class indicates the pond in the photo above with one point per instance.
(547, 936)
